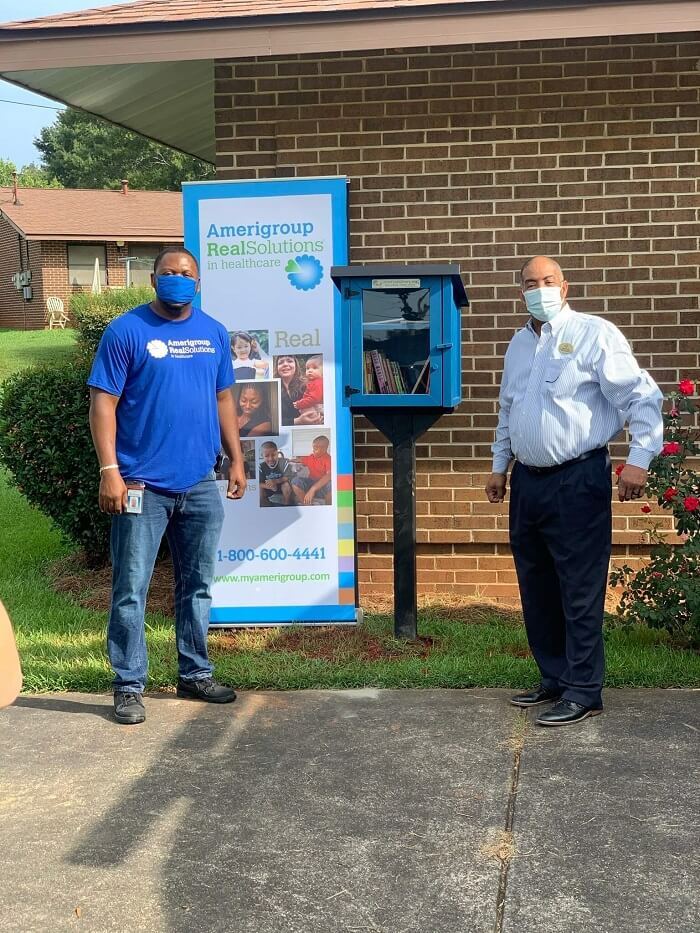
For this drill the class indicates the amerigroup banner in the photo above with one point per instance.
(265, 248)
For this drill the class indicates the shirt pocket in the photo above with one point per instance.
(557, 375)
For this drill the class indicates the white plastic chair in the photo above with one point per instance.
(55, 315)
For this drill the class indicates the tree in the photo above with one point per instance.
(82, 151)
(31, 176)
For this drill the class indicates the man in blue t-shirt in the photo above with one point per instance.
(161, 409)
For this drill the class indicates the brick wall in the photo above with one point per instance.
(17, 254)
(586, 150)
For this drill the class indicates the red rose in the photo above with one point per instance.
(691, 503)
(670, 448)
(670, 493)
(646, 508)
(686, 387)
(619, 469)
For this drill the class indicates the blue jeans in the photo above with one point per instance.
(192, 522)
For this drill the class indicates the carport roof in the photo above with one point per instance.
(148, 66)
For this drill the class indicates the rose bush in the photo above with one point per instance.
(665, 593)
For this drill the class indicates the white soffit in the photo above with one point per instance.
(170, 102)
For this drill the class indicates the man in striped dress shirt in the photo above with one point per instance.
(570, 383)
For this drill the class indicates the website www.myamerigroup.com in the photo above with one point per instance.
(273, 578)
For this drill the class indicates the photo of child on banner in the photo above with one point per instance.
(312, 485)
(257, 407)
(274, 474)
(300, 478)
(301, 388)
(249, 354)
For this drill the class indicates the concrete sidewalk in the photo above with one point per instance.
(365, 810)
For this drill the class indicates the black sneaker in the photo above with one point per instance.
(129, 708)
(207, 690)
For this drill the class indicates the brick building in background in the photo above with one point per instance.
(586, 150)
(570, 129)
(56, 234)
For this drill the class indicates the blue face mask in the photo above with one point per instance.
(543, 303)
(176, 290)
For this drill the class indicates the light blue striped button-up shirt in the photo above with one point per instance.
(571, 390)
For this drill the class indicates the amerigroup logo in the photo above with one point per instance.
(157, 349)
(304, 272)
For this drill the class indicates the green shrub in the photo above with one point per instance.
(665, 592)
(92, 313)
(45, 443)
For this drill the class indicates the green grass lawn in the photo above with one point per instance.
(63, 645)
(21, 348)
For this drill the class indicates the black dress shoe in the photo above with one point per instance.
(566, 713)
(534, 697)
(207, 690)
(129, 708)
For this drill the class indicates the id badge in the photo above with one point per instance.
(134, 498)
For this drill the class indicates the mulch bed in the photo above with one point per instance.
(330, 643)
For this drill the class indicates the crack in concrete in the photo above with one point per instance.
(507, 849)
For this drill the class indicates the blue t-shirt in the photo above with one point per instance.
(166, 374)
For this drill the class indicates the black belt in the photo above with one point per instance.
(560, 466)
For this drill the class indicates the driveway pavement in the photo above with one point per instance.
(360, 810)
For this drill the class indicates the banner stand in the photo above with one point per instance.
(287, 552)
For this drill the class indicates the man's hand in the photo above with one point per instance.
(496, 487)
(631, 483)
(113, 493)
(309, 497)
(236, 481)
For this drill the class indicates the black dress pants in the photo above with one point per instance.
(560, 535)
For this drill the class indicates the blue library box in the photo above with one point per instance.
(401, 335)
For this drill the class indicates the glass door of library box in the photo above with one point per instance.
(395, 343)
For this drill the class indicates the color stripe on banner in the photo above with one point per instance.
(346, 580)
(345, 483)
(346, 548)
(346, 597)
(345, 531)
(345, 612)
(346, 565)
(346, 515)
(345, 498)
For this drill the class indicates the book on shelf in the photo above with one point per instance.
(423, 379)
(378, 365)
(370, 383)
(388, 377)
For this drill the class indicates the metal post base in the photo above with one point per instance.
(402, 429)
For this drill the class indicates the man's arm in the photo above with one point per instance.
(634, 393)
(103, 427)
(502, 454)
(231, 442)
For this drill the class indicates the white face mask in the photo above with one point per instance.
(544, 303)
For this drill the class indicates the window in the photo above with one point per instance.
(81, 263)
(141, 263)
